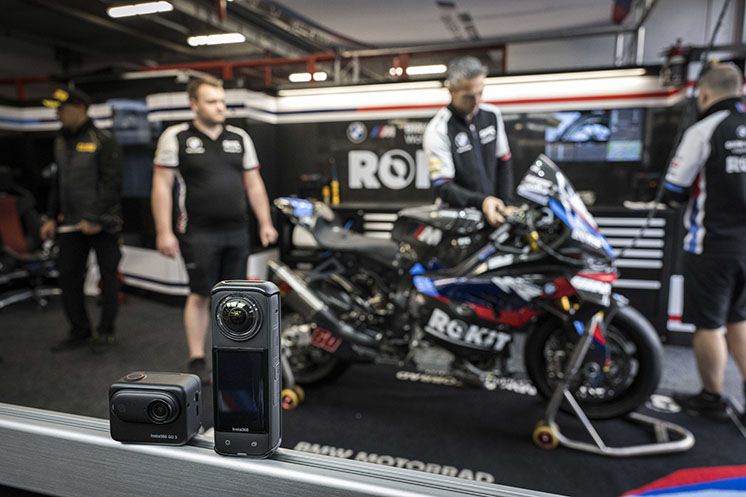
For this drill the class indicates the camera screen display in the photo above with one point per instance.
(242, 391)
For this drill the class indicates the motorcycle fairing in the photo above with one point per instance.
(482, 295)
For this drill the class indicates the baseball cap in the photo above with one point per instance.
(63, 96)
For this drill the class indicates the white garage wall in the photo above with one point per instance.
(574, 53)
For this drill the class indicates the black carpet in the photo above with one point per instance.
(372, 413)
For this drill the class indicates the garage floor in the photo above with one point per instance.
(372, 413)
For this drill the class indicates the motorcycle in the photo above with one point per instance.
(449, 293)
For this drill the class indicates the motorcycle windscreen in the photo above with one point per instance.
(546, 185)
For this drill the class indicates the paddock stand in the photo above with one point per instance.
(547, 434)
(736, 415)
(292, 394)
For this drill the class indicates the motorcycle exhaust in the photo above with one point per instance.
(304, 300)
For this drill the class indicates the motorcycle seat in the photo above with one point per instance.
(334, 237)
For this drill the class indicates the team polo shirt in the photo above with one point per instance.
(462, 156)
(209, 174)
(711, 162)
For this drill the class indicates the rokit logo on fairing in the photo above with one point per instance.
(442, 325)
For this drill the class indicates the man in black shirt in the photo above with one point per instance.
(85, 199)
(216, 170)
(467, 148)
(709, 169)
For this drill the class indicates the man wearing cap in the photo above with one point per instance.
(85, 213)
(467, 148)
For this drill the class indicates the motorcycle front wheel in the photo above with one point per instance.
(631, 376)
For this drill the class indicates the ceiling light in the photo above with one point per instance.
(139, 9)
(216, 39)
(420, 70)
(305, 77)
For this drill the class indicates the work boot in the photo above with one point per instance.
(198, 367)
(703, 403)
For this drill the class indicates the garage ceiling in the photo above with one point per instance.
(392, 23)
(75, 39)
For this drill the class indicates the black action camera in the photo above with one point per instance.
(246, 367)
(157, 408)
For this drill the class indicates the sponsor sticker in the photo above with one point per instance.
(457, 331)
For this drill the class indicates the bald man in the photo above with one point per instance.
(709, 173)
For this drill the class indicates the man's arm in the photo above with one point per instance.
(688, 161)
(48, 229)
(259, 200)
(161, 202)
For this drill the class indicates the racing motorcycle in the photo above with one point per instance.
(448, 293)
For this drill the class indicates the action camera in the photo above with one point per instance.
(157, 408)
(246, 367)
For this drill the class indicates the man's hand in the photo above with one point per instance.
(267, 234)
(89, 228)
(48, 230)
(167, 244)
(493, 209)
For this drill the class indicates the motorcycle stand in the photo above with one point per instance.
(292, 394)
(737, 416)
(547, 434)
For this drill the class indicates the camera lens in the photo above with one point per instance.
(160, 411)
(239, 317)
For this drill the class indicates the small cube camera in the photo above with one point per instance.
(246, 367)
(157, 408)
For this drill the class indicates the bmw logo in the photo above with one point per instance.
(357, 132)
(741, 131)
(462, 139)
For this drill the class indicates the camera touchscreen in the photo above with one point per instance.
(243, 391)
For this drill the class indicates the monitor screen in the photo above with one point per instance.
(595, 135)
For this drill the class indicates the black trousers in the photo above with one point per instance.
(71, 264)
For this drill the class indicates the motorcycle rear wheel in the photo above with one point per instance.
(636, 356)
(310, 364)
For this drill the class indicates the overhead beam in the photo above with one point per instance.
(205, 12)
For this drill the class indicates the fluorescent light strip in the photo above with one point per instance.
(305, 77)
(431, 69)
(139, 9)
(216, 39)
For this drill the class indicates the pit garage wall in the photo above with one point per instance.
(373, 136)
